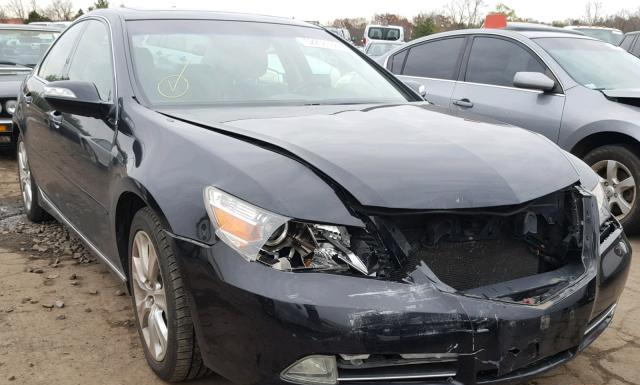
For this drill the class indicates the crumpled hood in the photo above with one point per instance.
(409, 156)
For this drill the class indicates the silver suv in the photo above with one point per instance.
(577, 91)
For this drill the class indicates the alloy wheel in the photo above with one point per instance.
(619, 186)
(149, 295)
(25, 176)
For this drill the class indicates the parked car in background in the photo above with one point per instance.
(379, 48)
(577, 91)
(295, 226)
(340, 32)
(21, 47)
(392, 33)
(631, 43)
(610, 35)
(59, 24)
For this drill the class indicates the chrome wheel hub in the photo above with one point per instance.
(619, 186)
(25, 176)
(149, 295)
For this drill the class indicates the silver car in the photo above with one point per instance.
(582, 93)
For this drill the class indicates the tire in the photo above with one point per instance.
(28, 186)
(180, 358)
(628, 166)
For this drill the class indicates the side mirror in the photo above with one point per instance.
(533, 81)
(76, 97)
(418, 88)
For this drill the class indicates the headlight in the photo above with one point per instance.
(275, 240)
(10, 106)
(603, 202)
(241, 225)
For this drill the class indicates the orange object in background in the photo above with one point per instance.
(495, 20)
(4, 128)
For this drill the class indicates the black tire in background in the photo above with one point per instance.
(181, 360)
(28, 186)
(627, 157)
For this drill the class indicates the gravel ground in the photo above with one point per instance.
(65, 319)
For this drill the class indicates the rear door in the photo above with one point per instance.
(486, 87)
(434, 64)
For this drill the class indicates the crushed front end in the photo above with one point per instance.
(437, 296)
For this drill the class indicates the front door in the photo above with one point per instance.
(487, 87)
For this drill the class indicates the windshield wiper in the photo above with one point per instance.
(6, 62)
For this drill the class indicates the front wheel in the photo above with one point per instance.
(162, 315)
(619, 167)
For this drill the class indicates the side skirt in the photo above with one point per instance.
(53, 210)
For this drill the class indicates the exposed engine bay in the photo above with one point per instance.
(461, 250)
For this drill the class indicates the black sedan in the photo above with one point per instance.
(21, 47)
(286, 211)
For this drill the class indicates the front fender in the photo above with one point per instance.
(600, 127)
(171, 162)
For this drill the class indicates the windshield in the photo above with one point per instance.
(203, 62)
(23, 47)
(594, 64)
(379, 49)
(384, 33)
(610, 36)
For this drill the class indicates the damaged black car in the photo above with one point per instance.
(284, 210)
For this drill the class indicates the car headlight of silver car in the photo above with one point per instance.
(603, 202)
(278, 241)
(10, 106)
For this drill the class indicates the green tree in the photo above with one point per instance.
(99, 4)
(423, 25)
(35, 16)
(78, 14)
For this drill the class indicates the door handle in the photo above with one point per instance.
(55, 118)
(464, 103)
(27, 98)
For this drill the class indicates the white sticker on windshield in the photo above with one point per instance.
(320, 43)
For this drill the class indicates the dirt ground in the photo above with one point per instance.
(66, 320)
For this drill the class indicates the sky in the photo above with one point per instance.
(326, 10)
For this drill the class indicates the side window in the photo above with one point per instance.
(54, 65)
(92, 60)
(635, 50)
(626, 42)
(496, 61)
(395, 63)
(437, 59)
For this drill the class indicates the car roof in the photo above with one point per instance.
(29, 27)
(572, 27)
(168, 14)
(503, 32)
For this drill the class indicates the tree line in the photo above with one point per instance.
(55, 10)
(461, 14)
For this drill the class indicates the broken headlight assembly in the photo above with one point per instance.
(603, 202)
(277, 241)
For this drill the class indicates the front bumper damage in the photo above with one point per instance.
(252, 321)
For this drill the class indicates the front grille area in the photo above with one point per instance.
(475, 248)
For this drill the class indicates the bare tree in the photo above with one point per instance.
(592, 12)
(16, 8)
(465, 13)
(59, 10)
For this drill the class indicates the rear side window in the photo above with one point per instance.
(396, 62)
(627, 41)
(496, 61)
(53, 66)
(437, 59)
